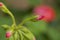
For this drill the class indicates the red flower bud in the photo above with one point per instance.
(44, 12)
(1, 4)
(8, 34)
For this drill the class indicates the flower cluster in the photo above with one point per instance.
(41, 12)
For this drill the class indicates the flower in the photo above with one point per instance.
(1, 4)
(8, 34)
(44, 12)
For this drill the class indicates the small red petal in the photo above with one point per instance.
(40, 17)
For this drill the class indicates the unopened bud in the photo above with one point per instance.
(1, 4)
(8, 34)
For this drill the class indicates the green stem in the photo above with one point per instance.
(5, 9)
(26, 20)
(14, 23)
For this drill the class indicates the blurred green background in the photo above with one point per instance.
(23, 9)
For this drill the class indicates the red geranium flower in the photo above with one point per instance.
(44, 12)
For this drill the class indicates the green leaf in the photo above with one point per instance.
(5, 26)
(26, 33)
(16, 35)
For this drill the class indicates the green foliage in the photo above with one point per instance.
(40, 29)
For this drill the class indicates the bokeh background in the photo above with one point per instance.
(23, 9)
